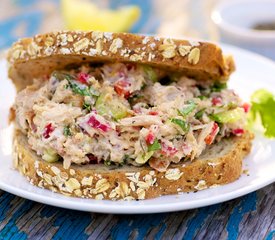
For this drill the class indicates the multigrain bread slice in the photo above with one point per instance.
(220, 164)
(38, 56)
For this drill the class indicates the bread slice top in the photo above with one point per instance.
(220, 164)
(40, 55)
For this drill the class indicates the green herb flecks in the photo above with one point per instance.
(202, 97)
(182, 124)
(87, 107)
(199, 114)
(188, 109)
(135, 99)
(126, 158)
(124, 161)
(107, 163)
(155, 146)
(214, 117)
(82, 89)
(218, 86)
(62, 76)
(67, 131)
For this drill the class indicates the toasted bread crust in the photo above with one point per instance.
(38, 56)
(220, 164)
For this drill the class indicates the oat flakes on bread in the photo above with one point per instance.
(220, 164)
(123, 116)
(53, 51)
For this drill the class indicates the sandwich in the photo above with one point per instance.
(121, 116)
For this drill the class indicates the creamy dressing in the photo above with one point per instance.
(122, 114)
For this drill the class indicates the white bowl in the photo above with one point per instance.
(235, 19)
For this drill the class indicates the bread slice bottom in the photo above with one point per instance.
(219, 164)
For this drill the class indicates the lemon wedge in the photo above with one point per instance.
(84, 15)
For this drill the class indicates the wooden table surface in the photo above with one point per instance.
(248, 217)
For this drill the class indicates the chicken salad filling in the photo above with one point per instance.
(124, 113)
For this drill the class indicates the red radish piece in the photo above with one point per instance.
(121, 88)
(210, 138)
(48, 130)
(168, 150)
(217, 101)
(238, 131)
(154, 113)
(93, 122)
(150, 138)
(83, 78)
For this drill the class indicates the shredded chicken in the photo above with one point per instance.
(146, 120)
(120, 114)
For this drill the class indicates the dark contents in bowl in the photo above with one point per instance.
(264, 26)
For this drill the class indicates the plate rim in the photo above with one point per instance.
(131, 209)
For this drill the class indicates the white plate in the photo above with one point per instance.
(253, 72)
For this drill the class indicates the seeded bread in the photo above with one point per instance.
(38, 56)
(220, 164)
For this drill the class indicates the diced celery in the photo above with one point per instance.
(50, 156)
(150, 73)
(230, 116)
(113, 107)
(143, 158)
